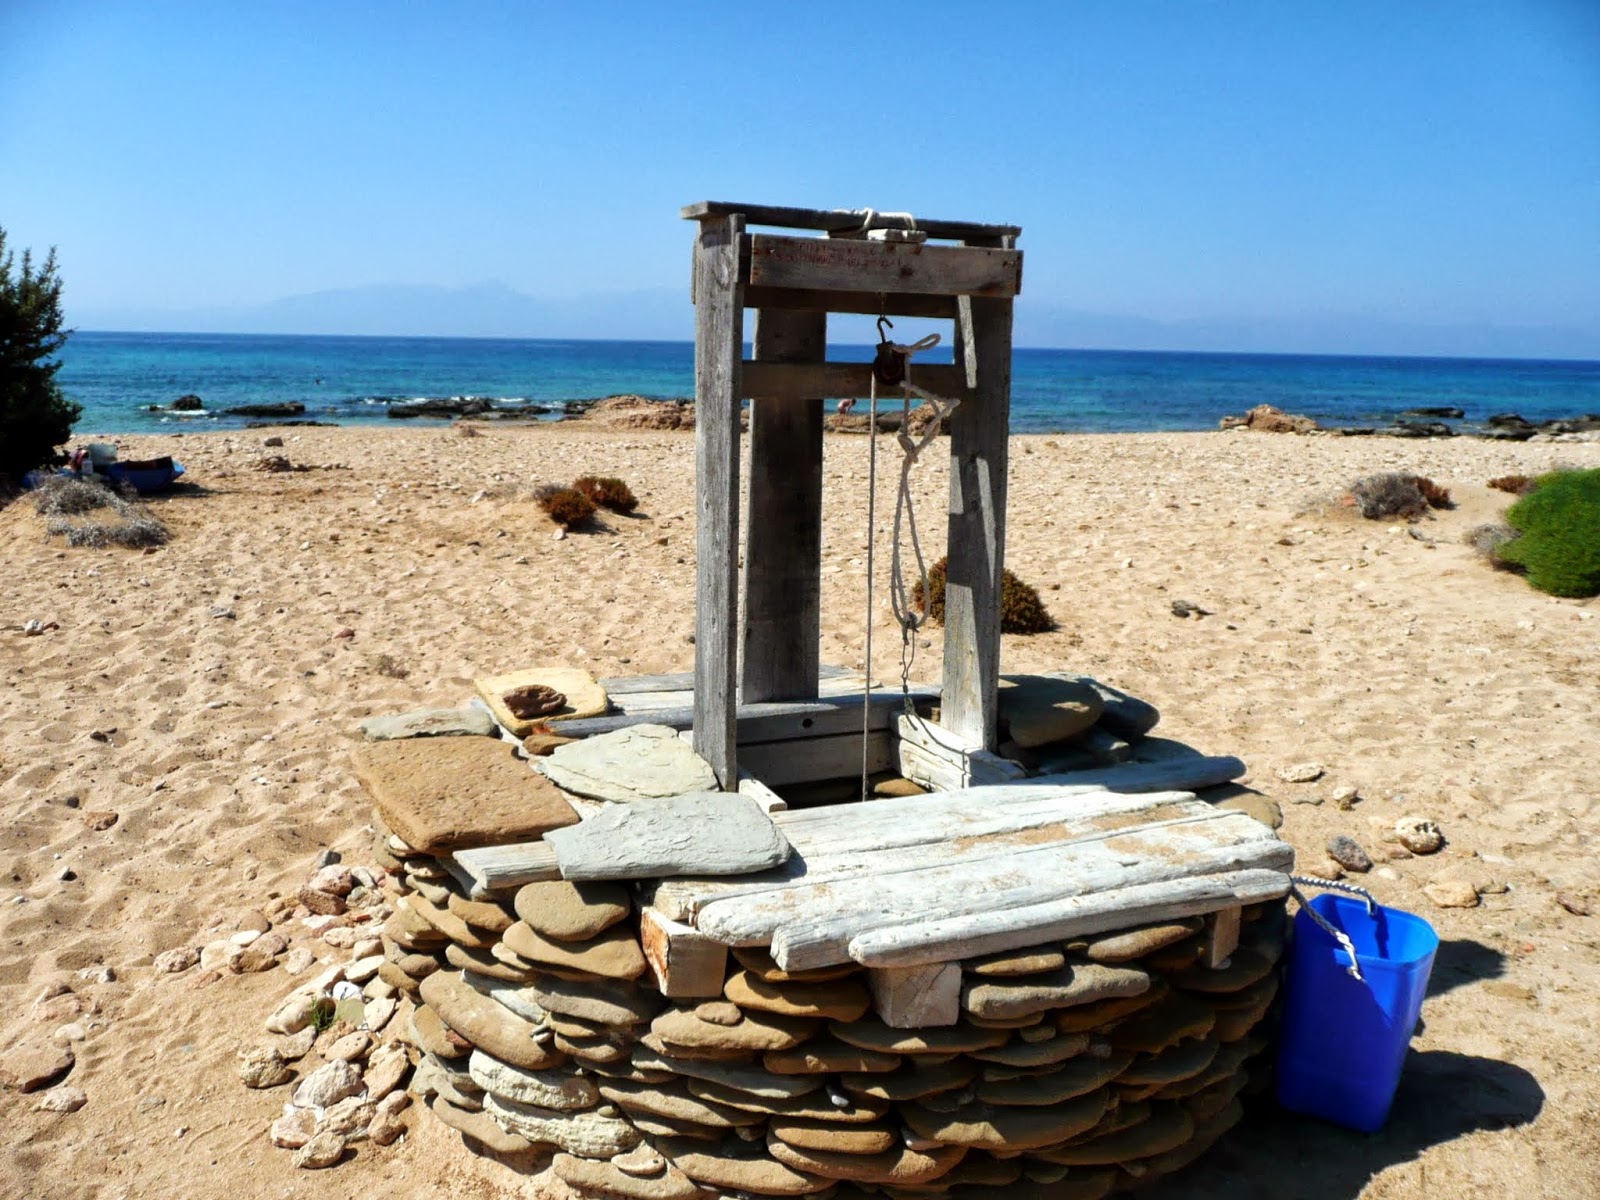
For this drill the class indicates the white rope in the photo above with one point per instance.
(905, 517)
(871, 216)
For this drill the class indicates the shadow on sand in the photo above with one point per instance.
(1273, 1154)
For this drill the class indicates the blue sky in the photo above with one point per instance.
(1353, 176)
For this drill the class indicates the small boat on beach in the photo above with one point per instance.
(145, 476)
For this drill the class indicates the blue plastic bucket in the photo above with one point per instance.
(1344, 1039)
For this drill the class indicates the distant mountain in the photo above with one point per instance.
(665, 314)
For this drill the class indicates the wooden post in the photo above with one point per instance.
(978, 464)
(916, 997)
(719, 349)
(783, 536)
(1222, 938)
(686, 965)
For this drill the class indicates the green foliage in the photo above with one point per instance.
(1558, 534)
(607, 492)
(1021, 610)
(1397, 495)
(35, 417)
(567, 507)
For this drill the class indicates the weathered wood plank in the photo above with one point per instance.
(814, 927)
(808, 759)
(769, 800)
(783, 539)
(790, 382)
(939, 758)
(683, 681)
(686, 965)
(766, 722)
(1222, 937)
(977, 532)
(917, 997)
(873, 304)
(966, 343)
(1068, 917)
(500, 868)
(806, 262)
(719, 344)
(884, 837)
(842, 220)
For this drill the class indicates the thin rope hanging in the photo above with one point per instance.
(891, 366)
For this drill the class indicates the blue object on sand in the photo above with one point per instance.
(1345, 1039)
(155, 475)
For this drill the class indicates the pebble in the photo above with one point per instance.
(97, 974)
(263, 1067)
(1308, 798)
(1345, 796)
(323, 1150)
(294, 1129)
(1306, 772)
(1575, 905)
(363, 969)
(62, 1100)
(294, 1014)
(298, 960)
(1452, 893)
(33, 1067)
(149, 1104)
(1418, 835)
(1347, 852)
(327, 1085)
(177, 960)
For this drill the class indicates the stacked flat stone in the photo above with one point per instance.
(1076, 1069)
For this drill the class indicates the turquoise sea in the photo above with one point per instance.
(118, 377)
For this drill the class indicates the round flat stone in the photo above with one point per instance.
(1005, 1127)
(605, 1002)
(606, 1179)
(676, 1104)
(588, 1134)
(1019, 1053)
(1078, 1077)
(1188, 1058)
(614, 954)
(1088, 1018)
(913, 1080)
(840, 1000)
(1136, 943)
(488, 1025)
(876, 1138)
(758, 1031)
(1167, 1023)
(903, 1167)
(487, 964)
(572, 911)
(827, 1055)
(547, 1089)
(814, 1106)
(589, 1051)
(758, 961)
(1082, 983)
(447, 923)
(431, 1036)
(480, 914)
(1039, 709)
(702, 1053)
(746, 1076)
(872, 1034)
(479, 1128)
(735, 1165)
(1245, 967)
(1169, 1126)
(1017, 962)
(1240, 1012)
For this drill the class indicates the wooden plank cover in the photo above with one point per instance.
(840, 220)
(918, 268)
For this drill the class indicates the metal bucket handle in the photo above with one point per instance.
(1338, 935)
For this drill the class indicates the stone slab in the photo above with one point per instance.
(701, 833)
(443, 794)
(1040, 709)
(640, 762)
(429, 722)
(585, 697)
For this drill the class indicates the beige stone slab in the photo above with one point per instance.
(585, 697)
(442, 794)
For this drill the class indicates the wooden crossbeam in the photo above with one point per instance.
(840, 380)
(851, 266)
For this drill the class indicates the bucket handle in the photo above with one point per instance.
(1338, 935)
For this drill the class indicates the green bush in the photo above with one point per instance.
(1558, 534)
(35, 417)
(1021, 610)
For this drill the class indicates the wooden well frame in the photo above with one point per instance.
(965, 272)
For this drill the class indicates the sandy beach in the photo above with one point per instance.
(206, 693)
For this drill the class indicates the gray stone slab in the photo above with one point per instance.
(703, 833)
(642, 762)
(430, 722)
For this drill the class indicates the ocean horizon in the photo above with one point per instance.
(128, 381)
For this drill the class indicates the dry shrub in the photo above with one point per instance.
(391, 666)
(1021, 610)
(465, 430)
(1516, 485)
(68, 495)
(1397, 494)
(608, 492)
(567, 507)
(126, 523)
(133, 528)
(1487, 540)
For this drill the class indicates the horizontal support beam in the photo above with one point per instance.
(907, 267)
(770, 721)
(841, 220)
(873, 304)
(840, 381)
